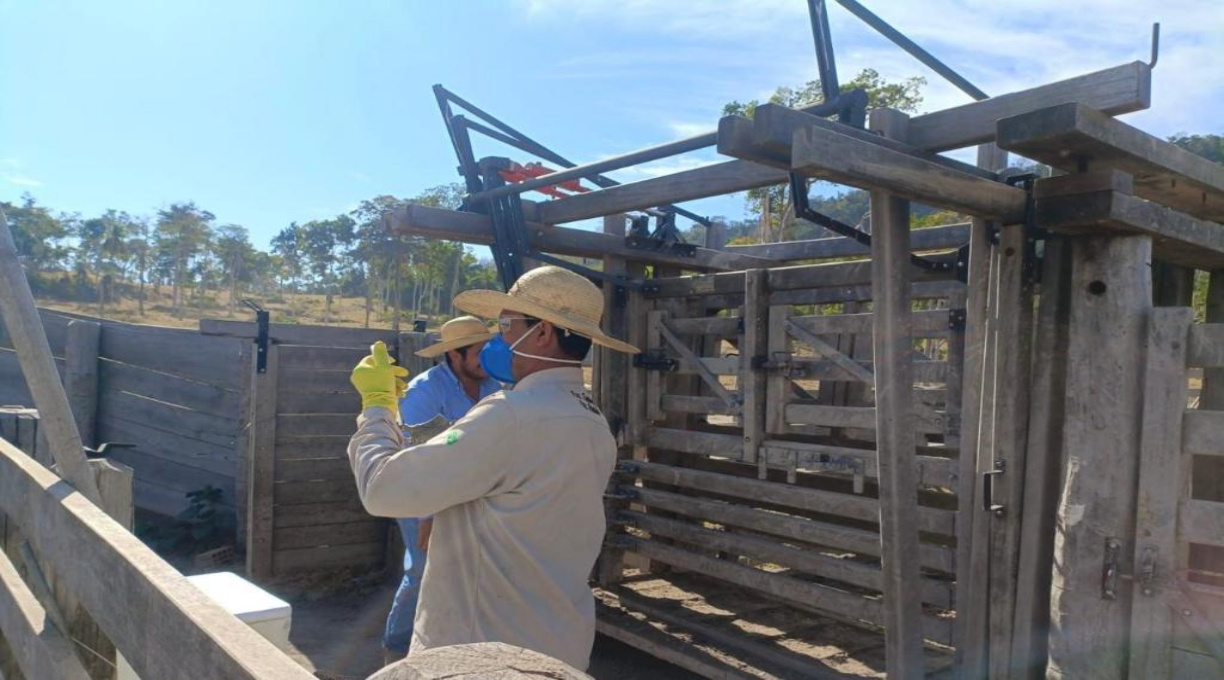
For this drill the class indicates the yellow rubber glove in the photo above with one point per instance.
(379, 380)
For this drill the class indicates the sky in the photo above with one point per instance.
(265, 113)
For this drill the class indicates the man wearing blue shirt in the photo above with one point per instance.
(435, 398)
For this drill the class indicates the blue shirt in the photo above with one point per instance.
(439, 392)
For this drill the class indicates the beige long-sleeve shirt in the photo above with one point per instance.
(516, 487)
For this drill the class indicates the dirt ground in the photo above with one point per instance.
(338, 636)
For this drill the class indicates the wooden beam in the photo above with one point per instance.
(261, 465)
(161, 623)
(863, 163)
(81, 375)
(752, 379)
(1116, 90)
(454, 225)
(41, 649)
(895, 432)
(1069, 135)
(25, 331)
(768, 138)
(1177, 237)
(933, 238)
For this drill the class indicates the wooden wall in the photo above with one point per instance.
(174, 393)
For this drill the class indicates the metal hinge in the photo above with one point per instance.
(1111, 571)
(988, 503)
(956, 319)
(1146, 573)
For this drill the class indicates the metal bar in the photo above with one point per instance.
(824, 50)
(491, 133)
(913, 48)
(606, 165)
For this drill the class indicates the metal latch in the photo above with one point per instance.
(261, 335)
(1147, 570)
(781, 363)
(655, 360)
(1110, 571)
(988, 503)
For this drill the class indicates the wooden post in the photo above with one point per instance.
(890, 285)
(610, 388)
(1042, 462)
(81, 375)
(242, 443)
(1110, 299)
(716, 236)
(756, 343)
(261, 467)
(25, 329)
(972, 530)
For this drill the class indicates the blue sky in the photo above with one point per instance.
(270, 112)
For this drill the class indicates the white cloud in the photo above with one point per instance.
(22, 181)
(684, 129)
(667, 166)
(359, 176)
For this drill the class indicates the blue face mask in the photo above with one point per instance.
(497, 359)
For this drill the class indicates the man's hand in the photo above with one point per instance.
(423, 533)
(379, 380)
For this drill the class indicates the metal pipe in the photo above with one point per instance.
(912, 47)
(606, 165)
(824, 49)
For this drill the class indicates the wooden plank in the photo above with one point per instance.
(752, 379)
(787, 495)
(1178, 238)
(702, 443)
(625, 629)
(892, 344)
(851, 368)
(40, 648)
(319, 514)
(726, 326)
(1157, 524)
(206, 427)
(13, 390)
(170, 445)
(776, 585)
(161, 623)
(933, 471)
(294, 447)
(1116, 90)
(317, 424)
(857, 293)
(933, 238)
(860, 541)
(292, 401)
(929, 321)
(1201, 522)
(654, 379)
(330, 535)
(322, 358)
(261, 465)
(118, 377)
(314, 469)
(1190, 665)
(861, 163)
(320, 491)
(1203, 433)
(81, 376)
(314, 380)
(1067, 135)
(858, 417)
(300, 334)
(176, 351)
(1111, 296)
(698, 405)
(777, 386)
(174, 474)
(468, 227)
(1207, 345)
(808, 561)
(356, 556)
(697, 365)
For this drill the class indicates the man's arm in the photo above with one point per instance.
(421, 403)
(466, 462)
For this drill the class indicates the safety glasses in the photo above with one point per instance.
(505, 322)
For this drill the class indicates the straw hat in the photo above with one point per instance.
(458, 332)
(558, 296)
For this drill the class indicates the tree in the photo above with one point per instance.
(772, 204)
(324, 243)
(1210, 147)
(183, 231)
(140, 250)
(102, 246)
(38, 234)
(234, 253)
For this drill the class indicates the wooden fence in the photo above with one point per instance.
(174, 394)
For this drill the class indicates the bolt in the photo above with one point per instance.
(1186, 612)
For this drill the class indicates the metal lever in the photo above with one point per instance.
(988, 503)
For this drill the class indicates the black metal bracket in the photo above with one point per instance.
(262, 322)
(655, 360)
(956, 319)
(988, 503)
(1034, 236)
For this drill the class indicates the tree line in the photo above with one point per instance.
(185, 248)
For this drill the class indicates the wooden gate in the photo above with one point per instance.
(303, 510)
(1177, 615)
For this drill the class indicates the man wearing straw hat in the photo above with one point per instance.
(515, 486)
(435, 398)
